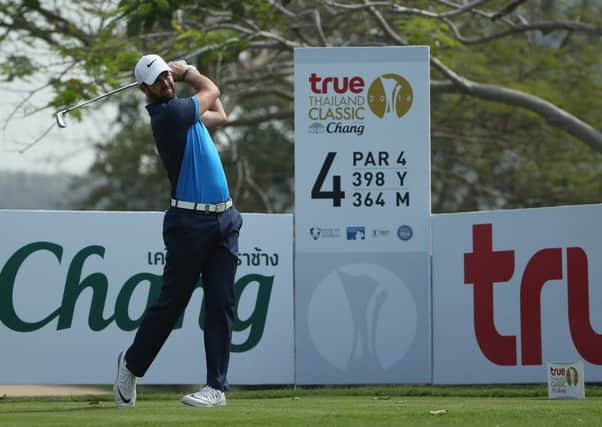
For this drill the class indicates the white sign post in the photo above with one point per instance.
(362, 206)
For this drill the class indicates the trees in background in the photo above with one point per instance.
(514, 113)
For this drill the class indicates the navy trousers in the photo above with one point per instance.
(198, 244)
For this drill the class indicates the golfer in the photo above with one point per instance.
(200, 230)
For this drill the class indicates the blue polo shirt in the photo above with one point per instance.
(188, 153)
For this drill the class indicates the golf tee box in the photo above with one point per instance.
(566, 380)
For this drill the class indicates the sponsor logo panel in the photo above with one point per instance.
(338, 104)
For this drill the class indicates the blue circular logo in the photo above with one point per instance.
(404, 232)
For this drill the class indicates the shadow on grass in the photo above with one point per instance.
(54, 410)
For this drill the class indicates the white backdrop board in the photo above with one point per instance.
(513, 290)
(73, 287)
(362, 206)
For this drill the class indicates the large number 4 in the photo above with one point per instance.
(335, 194)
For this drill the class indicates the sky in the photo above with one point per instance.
(61, 150)
(68, 150)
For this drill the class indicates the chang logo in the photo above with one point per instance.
(390, 93)
(374, 325)
(316, 128)
(83, 282)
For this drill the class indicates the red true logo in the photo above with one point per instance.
(339, 84)
(484, 267)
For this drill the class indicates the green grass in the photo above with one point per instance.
(525, 405)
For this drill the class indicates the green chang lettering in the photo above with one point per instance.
(73, 288)
(256, 321)
(8, 315)
(122, 314)
(97, 283)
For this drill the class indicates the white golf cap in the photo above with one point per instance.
(149, 67)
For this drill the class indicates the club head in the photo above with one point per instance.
(60, 119)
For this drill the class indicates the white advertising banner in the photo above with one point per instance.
(362, 206)
(514, 290)
(74, 286)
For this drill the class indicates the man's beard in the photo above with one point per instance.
(166, 98)
(161, 99)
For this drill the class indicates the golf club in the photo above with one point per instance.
(60, 116)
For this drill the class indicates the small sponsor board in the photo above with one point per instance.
(566, 380)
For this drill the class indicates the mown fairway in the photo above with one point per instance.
(361, 406)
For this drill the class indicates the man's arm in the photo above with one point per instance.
(215, 115)
(207, 92)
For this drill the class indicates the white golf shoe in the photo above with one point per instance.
(124, 389)
(206, 397)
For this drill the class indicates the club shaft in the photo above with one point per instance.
(104, 95)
